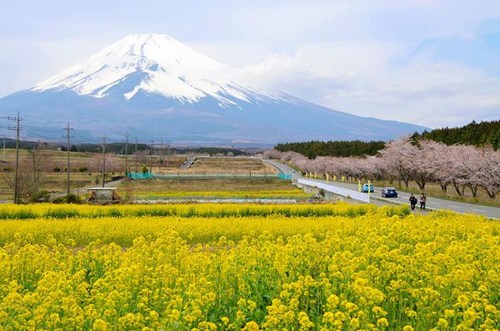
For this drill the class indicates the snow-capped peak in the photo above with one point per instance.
(151, 63)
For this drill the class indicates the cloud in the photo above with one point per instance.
(361, 78)
(426, 61)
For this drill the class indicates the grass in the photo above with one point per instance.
(181, 185)
(229, 165)
(161, 164)
(266, 194)
(212, 188)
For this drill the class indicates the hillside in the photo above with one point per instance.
(156, 88)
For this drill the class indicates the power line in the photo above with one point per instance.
(151, 158)
(4, 150)
(136, 155)
(68, 136)
(126, 155)
(103, 161)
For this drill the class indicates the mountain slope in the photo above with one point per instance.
(154, 87)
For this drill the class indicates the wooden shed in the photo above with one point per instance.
(102, 194)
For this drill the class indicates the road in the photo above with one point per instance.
(283, 168)
(432, 203)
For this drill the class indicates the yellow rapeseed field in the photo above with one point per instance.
(246, 267)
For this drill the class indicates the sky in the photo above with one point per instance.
(433, 63)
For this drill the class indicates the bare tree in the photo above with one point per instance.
(29, 177)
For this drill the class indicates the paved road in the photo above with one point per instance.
(283, 168)
(432, 203)
(188, 163)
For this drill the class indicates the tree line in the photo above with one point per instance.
(120, 148)
(422, 161)
(315, 148)
(476, 134)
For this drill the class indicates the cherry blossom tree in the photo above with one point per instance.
(489, 176)
(397, 154)
(440, 162)
(424, 161)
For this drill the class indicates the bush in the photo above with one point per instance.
(70, 198)
(40, 196)
(56, 169)
(83, 169)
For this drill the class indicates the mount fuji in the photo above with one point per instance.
(154, 87)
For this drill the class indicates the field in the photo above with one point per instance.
(53, 171)
(86, 167)
(250, 267)
(165, 164)
(232, 165)
(213, 188)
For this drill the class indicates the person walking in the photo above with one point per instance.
(423, 200)
(413, 201)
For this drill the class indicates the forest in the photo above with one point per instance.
(475, 134)
(342, 148)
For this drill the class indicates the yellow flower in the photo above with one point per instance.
(100, 325)
(354, 323)
(328, 317)
(251, 326)
(383, 322)
(449, 313)
(442, 323)
(332, 301)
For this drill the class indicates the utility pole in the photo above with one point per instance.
(17, 198)
(162, 153)
(136, 156)
(68, 135)
(103, 161)
(151, 158)
(126, 155)
(6, 127)
(168, 154)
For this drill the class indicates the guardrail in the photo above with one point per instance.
(336, 189)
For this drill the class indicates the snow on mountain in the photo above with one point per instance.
(155, 87)
(169, 68)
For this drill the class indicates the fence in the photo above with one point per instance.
(284, 176)
(139, 175)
